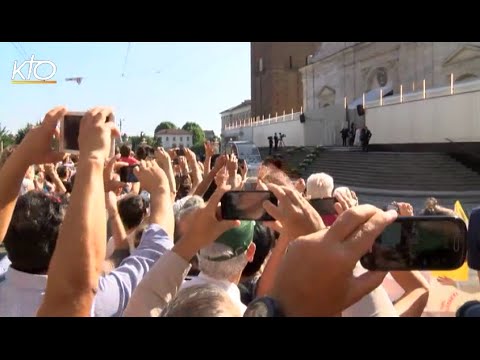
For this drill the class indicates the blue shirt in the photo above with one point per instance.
(473, 238)
(116, 288)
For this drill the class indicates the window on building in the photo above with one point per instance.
(181, 138)
(291, 64)
(188, 138)
(173, 138)
(166, 139)
(260, 65)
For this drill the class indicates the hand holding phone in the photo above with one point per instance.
(419, 243)
(246, 205)
(324, 206)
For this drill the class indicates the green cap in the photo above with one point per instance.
(238, 239)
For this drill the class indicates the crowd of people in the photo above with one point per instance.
(140, 234)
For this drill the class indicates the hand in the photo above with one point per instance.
(300, 186)
(163, 158)
(111, 202)
(172, 153)
(294, 213)
(109, 184)
(206, 223)
(405, 209)
(182, 161)
(346, 199)
(219, 163)
(232, 165)
(36, 147)
(244, 170)
(209, 149)
(222, 177)
(191, 157)
(316, 275)
(95, 138)
(152, 177)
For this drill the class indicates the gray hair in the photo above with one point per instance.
(193, 203)
(221, 270)
(205, 300)
(319, 186)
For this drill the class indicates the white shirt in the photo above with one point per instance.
(375, 304)
(232, 290)
(21, 294)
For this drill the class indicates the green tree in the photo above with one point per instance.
(198, 136)
(6, 137)
(22, 132)
(165, 125)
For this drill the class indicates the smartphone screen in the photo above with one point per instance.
(246, 205)
(419, 243)
(71, 130)
(324, 206)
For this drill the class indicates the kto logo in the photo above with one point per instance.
(19, 77)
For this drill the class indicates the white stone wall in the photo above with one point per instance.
(169, 140)
(349, 69)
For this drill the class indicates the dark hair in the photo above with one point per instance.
(68, 186)
(144, 151)
(273, 162)
(72, 181)
(32, 235)
(132, 210)
(62, 171)
(264, 239)
(125, 151)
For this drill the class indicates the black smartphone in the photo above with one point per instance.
(324, 206)
(180, 152)
(246, 205)
(127, 175)
(419, 243)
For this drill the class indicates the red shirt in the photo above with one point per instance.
(328, 220)
(130, 160)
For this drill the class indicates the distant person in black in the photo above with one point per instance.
(270, 145)
(351, 135)
(275, 138)
(344, 133)
(365, 136)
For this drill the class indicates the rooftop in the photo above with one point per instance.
(173, 132)
(244, 103)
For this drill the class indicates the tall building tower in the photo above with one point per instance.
(275, 80)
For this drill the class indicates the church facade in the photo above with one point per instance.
(340, 70)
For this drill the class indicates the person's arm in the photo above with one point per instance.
(415, 298)
(162, 283)
(165, 162)
(34, 149)
(232, 168)
(80, 250)
(119, 233)
(265, 283)
(59, 187)
(207, 180)
(209, 152)
(195, 170)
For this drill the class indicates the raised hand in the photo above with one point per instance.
(151, 176)
(346, 199)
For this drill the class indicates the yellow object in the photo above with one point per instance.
(460, 274)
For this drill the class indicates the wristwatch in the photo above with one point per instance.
(264, 307)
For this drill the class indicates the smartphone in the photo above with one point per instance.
(70, 129)
(419, 243)
(324, 206)
(180, 152)
(127, 175)
(246, 205)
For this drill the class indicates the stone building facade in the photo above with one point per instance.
(349, 69)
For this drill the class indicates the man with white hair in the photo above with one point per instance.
(222, 262)
(319, 186)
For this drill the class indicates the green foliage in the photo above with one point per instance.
(6, 137)
(165, 125)
(198, 149)
(197, 132)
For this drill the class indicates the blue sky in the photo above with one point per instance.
(175, 82)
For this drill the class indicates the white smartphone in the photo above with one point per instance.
(70, 129)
